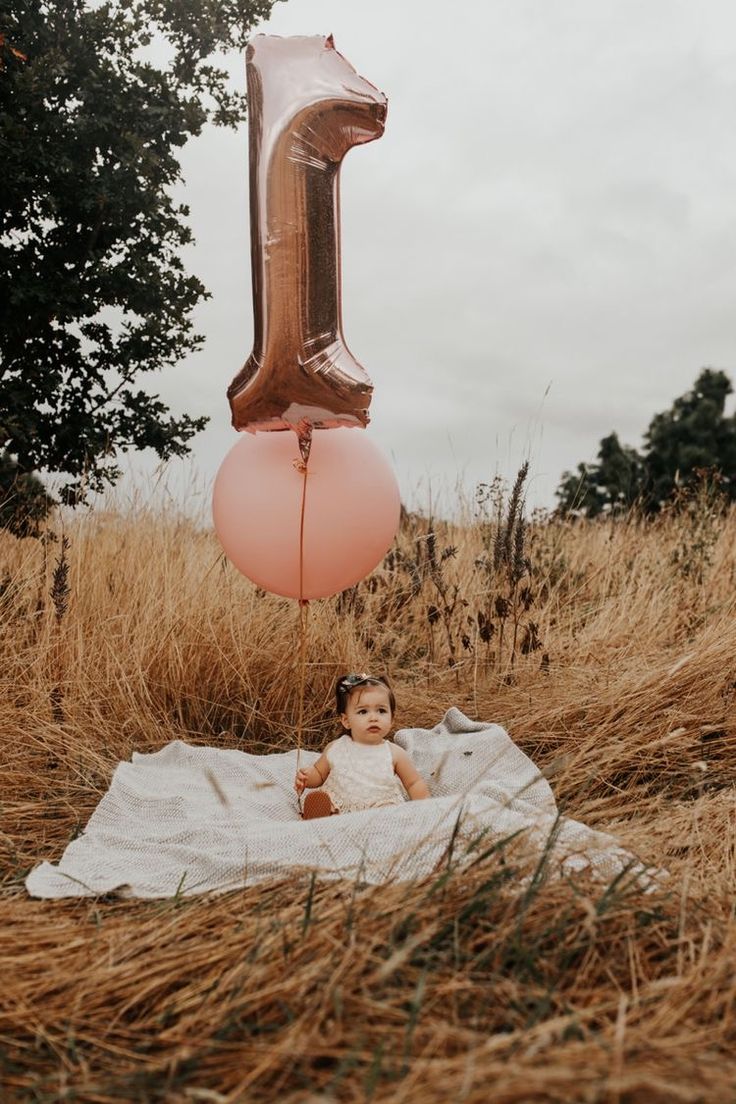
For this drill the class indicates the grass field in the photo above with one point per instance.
(609, 652)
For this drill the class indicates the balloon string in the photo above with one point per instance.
(303, 618)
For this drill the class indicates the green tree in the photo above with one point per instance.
(614, 484)
(693, 436)
(24, 501)
(93, 293)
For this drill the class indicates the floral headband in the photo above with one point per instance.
(349, 682)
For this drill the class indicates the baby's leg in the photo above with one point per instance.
(317, 804)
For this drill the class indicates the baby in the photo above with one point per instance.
(361, 769)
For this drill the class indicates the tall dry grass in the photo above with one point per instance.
(609, 652)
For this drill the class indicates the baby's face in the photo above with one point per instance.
(368, 714)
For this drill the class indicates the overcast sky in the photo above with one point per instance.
(540, 249)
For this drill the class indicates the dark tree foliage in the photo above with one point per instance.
(611, 486)
(24, 501)
(692, 437)
(96, 99)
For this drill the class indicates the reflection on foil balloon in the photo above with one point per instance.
(307, 107)
(351, 516)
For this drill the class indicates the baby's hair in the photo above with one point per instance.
(348, 683)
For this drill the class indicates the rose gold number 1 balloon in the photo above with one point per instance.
(307, 108)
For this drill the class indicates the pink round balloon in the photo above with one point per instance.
(350, 519)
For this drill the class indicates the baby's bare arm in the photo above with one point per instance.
(311, 777)
(409, 776)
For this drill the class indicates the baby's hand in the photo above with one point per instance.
(300, 781)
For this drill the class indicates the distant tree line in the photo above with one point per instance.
(683, 443)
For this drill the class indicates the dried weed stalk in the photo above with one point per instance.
(59, 593)
(502, 619)
(60, 588)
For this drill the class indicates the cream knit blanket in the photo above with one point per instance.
(195, 819)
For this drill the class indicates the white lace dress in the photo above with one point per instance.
(361, 776)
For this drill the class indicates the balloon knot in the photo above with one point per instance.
(304, 433)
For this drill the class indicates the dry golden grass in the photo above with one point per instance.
(469, 986)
